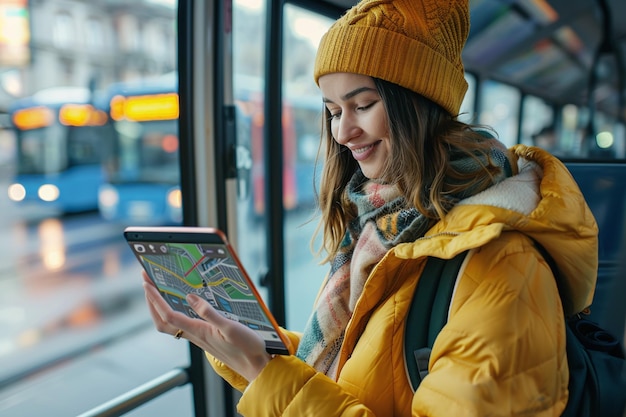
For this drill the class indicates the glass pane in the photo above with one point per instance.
(70, 288)
(619, 133)
(301, 125)
(608, 139)
(500, 109)
(576, 140)
(303, 116)
(248, 84)
(537, 120)
(467, 113)
(573, 137)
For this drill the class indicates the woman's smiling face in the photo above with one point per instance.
(358, 119)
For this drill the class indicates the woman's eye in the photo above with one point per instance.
(337, 114)
(361, 108)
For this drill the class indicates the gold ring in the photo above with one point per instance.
(178, 334)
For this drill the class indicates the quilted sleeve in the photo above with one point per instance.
(291, 388)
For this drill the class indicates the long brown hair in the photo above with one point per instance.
(424, 140)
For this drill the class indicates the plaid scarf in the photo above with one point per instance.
(384, 219)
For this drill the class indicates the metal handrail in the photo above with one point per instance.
(140, 395)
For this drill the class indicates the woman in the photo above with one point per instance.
(402, 180)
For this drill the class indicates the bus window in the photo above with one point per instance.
(248, 38)
(38, 151)
(619, 131)
(573, 135)
(467, 112)
(71, 282)
(148, 153)
(85, 145)
(307, 123)
(500, 109)
(537, 118)
(301, 123)
(303, 274)
(607, 140)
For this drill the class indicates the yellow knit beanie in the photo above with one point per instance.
(414, 43)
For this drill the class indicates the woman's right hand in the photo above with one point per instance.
(237, 346)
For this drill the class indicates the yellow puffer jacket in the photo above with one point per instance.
(502, 352)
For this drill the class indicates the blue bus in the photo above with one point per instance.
(141, 165)
(60, 134)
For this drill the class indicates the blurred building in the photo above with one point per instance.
(48, 43)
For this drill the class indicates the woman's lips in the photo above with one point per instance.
(362, 153)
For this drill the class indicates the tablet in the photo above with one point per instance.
(199, 260)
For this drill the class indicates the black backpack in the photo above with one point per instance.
(597, 384)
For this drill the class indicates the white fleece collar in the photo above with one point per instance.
(519, 193)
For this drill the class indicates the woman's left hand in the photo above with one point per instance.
(230, 342)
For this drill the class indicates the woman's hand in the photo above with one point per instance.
(232, 343)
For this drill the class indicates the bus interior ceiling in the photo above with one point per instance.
(548, 48)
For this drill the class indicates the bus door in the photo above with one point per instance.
(224, 173)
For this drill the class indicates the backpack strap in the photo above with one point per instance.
(428, 313)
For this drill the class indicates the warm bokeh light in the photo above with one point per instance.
(75, 114)
(48, 192)
(54, 259)
(145, 108)
(111, 263)
(81, 115)
(604, 140)
(16, 192)
(170, 143)
(33, 118)
(108, 197)
(52, 249)
(175, 199)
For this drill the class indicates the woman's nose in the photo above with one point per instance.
(347, 129)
